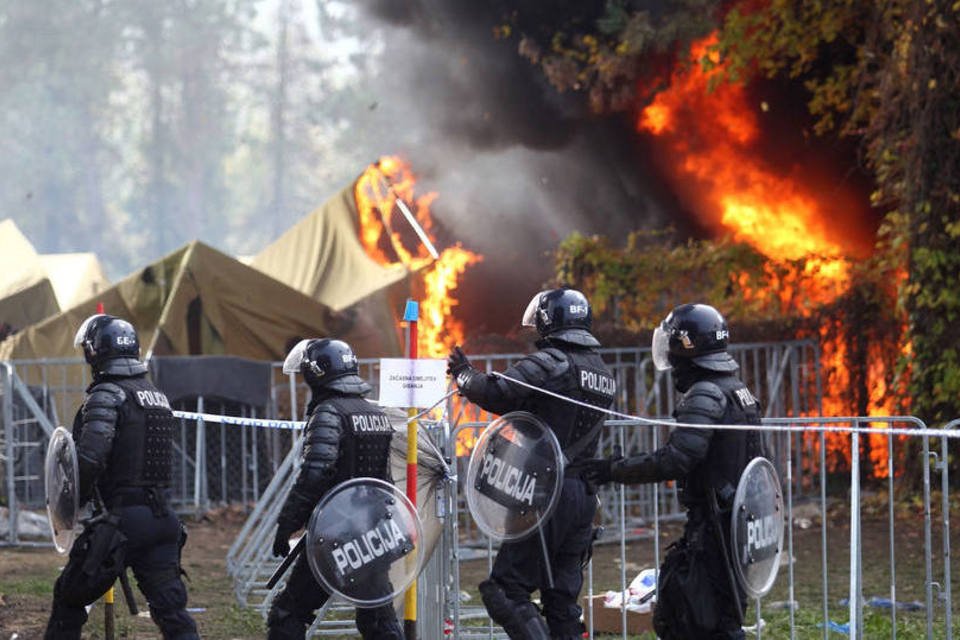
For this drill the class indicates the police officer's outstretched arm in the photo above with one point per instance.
(703, 404)
(321, 448)
(497, 395)
(98, 419)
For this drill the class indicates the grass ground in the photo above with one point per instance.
(27, 575)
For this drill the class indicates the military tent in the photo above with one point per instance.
(75, 276)
(194, 301)
(321, 256)
(26, 294)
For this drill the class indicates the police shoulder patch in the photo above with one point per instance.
(151, 399)
(744, 397)
(597, 381)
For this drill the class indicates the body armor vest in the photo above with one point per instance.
(587, 379)
(142, 452)
(365, 443)
(730, 451)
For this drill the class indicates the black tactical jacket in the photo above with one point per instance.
(702, 458)
(571, 369)
(345, 437)
(124, 436)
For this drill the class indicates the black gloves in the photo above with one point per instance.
(595, 471)
(458, 366)
(281, 543)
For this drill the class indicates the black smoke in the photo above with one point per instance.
(517, 166)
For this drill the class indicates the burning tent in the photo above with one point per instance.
(321, 257)
(194, 301)
(365, 251)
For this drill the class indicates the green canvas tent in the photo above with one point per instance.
(75, 276)
(26, 294)
(194, 301)
(321, 256)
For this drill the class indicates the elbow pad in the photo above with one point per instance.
(99, 416)
(321, 443)
(685, 449)
(321, 449)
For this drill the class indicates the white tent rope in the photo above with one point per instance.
(798, 424)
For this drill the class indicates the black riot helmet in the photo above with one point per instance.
(561, 313)
(693, 333)
(326, 363)
(110, 345)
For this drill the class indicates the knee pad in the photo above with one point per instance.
(62, 630)
(495, 600)
(168, 608)
(284, 625)
(563, 615)
(65, 622)
(521, 620)
(379, 624)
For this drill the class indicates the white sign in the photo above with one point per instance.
(407, 382)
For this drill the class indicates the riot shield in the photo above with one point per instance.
(62, 487)
(514, 476)
(756, 527)
(364, 542)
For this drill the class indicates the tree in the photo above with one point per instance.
(886, 74)
(890, 75)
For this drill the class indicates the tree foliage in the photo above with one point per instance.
(888, 73)
(884, 73)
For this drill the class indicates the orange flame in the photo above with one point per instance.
(708, 132)
(466, 440)
(388, 241)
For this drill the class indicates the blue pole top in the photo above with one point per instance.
(412, 311)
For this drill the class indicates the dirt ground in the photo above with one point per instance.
(27, 576)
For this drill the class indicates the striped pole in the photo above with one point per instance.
(109, 618)
(411, 314)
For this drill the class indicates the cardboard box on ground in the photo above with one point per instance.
(608, 607)
(609, 620)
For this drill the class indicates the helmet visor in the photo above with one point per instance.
(295, 357)
(660, 348)
(530, 315)
(82, 331)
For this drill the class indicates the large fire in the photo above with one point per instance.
(389, 239)
(709, 134)
(707, 131)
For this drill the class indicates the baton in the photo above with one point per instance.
(734, 590)
(128, 592)
(282, 569)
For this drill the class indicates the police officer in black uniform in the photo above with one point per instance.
(333, 451)
(123, 435)
(567, 363)
(707, 464)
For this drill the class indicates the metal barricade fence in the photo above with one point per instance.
(236, 464)
(834, 577)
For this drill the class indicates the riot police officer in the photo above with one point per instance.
(123, 435)
(334, 450)
(567, 363)
(707, 463)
